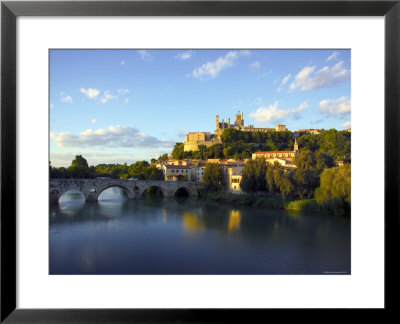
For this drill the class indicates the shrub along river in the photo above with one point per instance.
(189, 236)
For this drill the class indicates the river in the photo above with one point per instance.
(117, 235)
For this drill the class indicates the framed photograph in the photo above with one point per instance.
(163, 159)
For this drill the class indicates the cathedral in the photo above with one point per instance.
(239, 125)
(194, 139)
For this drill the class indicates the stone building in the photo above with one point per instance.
(271, 155)
(176, 172)
(194, 139)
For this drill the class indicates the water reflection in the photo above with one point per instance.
(71, 202)
(234, 220)
(117, 235)
(192, 222)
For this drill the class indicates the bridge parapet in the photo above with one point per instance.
(92, 188)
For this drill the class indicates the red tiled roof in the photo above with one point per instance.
(168, 166)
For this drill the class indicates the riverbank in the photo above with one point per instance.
(275, 202)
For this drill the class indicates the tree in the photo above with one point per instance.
(270, 177)
(306, 176)
(230, 135)
(163, 157)
(79, 167)
(285, 185)
(79, 162)
(137, 170)
(152, 173)
(203, 152)
(335, 187)
(178, 151)
(324, 161)
(213, 176)
(253, 175)
(215, 151)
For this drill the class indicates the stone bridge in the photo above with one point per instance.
(92, 188)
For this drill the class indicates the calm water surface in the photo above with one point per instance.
(188, 236)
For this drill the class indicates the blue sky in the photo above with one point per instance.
(116, 106)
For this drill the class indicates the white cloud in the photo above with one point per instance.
(94, 121)
(210, 70)
(126, 100)
(51, 106)
(144, 55)
(335, 107)
(184, 56)
(284, 81)
(91, 93)
(66, 99)
(255, 66)
(272, 113)
(113, 136)
(107, 96)
(123, 90)
(122, 63)
(333, 56)
(306, 79)
(347, 124)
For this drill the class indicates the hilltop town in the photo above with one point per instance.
(192, 169)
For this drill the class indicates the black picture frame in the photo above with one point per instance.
(10, 10)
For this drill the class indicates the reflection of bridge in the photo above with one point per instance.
(92, 188)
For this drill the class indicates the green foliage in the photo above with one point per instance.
(335, 143)
(79, 162)
(303, 204)
(306, 176)
(79, 168)
(152, 173)
(215, 151)
(231, 135)
(163, 157)
(253, 175)
(137, 170)
(335, 188)
(242, 199)
(213, 176)
(278, 179)
(58, 172)
(177, 151)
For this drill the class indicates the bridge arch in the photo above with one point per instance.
(182, 192)
(154, 190)
(71, 191)
(127, 190)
